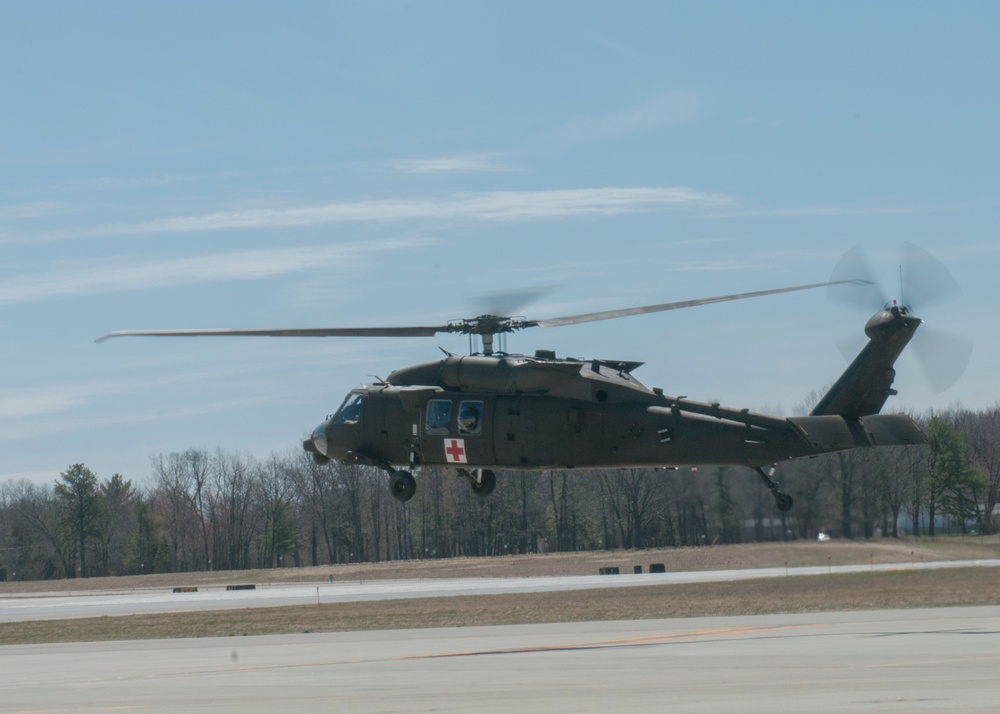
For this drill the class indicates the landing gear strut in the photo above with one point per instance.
(483, 481)
(782, 500)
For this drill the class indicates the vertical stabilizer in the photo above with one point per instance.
(867, 383)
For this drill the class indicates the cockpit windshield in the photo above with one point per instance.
(349, 411)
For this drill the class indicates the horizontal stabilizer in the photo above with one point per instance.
(832, 433)
(892, 430)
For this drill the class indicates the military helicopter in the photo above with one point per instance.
(490, 409)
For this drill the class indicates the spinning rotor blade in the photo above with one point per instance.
(509, 302)
(854, 283)
(924, 280)
(303, 332)
(941, 356)
(488, 324)
(612, 314)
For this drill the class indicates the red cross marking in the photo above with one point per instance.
(454, 450)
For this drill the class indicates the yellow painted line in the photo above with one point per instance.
(620, 642)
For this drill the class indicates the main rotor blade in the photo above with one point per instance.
(302, 332)
(612, 314)
(484, 324)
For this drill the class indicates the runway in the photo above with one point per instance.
(903, 660)
(55, 605)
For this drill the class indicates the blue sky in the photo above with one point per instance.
(201, 165)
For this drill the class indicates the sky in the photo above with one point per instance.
(334, 164)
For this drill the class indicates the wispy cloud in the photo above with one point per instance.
(116, 274)
(492, 206)
(667, 109)
(707, 266)
(60, 403)
(34, 477)
(219, 407)
(462, 163)
(37, 209)
(60, 421)
(18, 407)
(20, 403)
(865, 209)
(17, 404)
(487, 206)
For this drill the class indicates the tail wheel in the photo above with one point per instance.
(484, 485)
(402, 485)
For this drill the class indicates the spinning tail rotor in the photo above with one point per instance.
(924, 282)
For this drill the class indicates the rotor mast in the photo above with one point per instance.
(487, 327)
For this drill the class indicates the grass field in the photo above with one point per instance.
(901, 588)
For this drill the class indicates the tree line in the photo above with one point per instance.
(204, 510)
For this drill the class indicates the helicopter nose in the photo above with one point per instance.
(316, 444)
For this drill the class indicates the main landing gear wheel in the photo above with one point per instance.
(484, 484)
(402, 485)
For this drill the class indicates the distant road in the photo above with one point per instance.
(56, 606)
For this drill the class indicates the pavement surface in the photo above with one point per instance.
(930, 660)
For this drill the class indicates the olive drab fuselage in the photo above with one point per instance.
(504, 411)
(518, 412)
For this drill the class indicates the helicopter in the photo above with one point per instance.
(489, 409)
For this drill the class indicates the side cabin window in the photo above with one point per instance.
(470, 418)
(349, 411)
(438, 416)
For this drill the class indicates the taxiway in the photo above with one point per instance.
(904, 660)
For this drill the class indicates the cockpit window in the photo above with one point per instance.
(438, 416)
(470, 418)
(349, 411)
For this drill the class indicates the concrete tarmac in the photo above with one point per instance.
(930, 660)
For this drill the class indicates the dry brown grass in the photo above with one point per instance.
(726, 557)
(860, 591)
(863, 591)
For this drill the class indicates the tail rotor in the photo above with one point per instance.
(924, 282)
